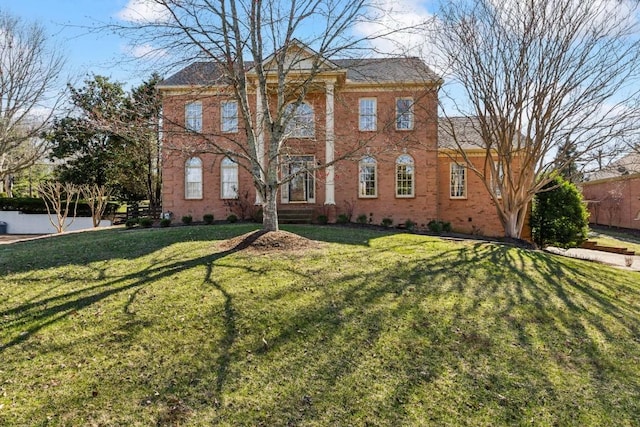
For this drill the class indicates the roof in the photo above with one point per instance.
(628, 165)
(459, 130)
(373, 70)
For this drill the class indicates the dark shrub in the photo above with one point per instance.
(387, 222)
(362, 219)
(435, 226)
(207, 218)
(322, 219)
(409, 225)
(131, 222)
(145, 222)
(559, 216)
(187, 219)
(342, 219)
(232, 218)
(165, 222)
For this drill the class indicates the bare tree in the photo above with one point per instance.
(97, 197)
(538, 77)
(30, 68)
(60, 200)
(255, 48)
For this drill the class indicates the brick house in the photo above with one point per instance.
(377, 117)
(613, 194)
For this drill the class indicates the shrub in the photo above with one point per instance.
(187, 219)
(559, 216)
(322, 219)
(207, 218)
(131, 222)
(257, 216)
(437, 226)
(387, 222)
(409, 225)
(145, 222)
(342, 219)
(362, 219)
(165, 222)
(232, 218)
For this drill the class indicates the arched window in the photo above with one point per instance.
(405, 176)
(368, 177)
(193, 178)
(301, 122)
(229, 179)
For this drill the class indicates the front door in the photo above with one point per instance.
(301, 187)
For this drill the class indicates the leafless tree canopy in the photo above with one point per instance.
(30, 68)
(254, 42)
(540, 75)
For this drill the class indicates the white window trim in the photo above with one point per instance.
(454, 166)
(411, 114)
(413, 177)
(231, 129)
(368, 161)
(292, 120)
(187, 168)
(228, 164)
(374, 115)
(188, 117)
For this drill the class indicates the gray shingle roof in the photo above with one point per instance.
(374, 70)
(463, 129)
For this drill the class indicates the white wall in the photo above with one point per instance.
(19, 223)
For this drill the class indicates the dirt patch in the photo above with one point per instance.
(270, 241)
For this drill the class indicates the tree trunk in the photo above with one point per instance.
(513, 222)
(270, 209)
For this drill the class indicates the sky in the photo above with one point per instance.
(69, 23)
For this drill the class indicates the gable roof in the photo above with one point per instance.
(369, 70)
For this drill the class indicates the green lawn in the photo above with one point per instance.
(163, 327)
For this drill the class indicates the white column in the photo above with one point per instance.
(259, 132)
(329, 186)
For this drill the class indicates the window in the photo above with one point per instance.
(368, 177)
(404, 114)
(458, 181)
(193, 178)
(368, 114)
(404, 176)
(193, 116)
(229, 116)
(300, 123)
(229, 177)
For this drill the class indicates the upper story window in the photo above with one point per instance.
(405, 176)
(229, 179)
(301, 122)
(368, 114)
(193, 116)
(458, 181)
(193, 178)
(229, 116)
(368, 172)
(404, 113)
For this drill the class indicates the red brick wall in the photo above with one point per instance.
(475, 214)
(614, 202)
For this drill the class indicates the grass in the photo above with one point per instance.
(161, 327)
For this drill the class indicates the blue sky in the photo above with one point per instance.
(67, 22)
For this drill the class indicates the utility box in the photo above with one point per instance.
(3, 227)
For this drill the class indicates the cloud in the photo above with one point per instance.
(146, 51)
(143, 11)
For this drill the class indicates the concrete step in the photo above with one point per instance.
(295, 216)
(611, 249)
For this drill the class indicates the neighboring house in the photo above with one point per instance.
(386, 106)
(613, 193)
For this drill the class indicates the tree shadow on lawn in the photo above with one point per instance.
(380, 343)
